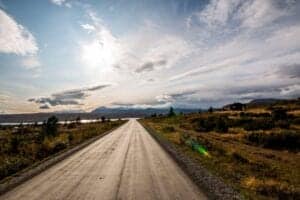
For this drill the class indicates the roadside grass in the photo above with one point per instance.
(21, 147)
(267, 166)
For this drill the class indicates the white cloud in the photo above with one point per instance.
(62, 3)
(31, 62)
(15, 38)
(90, 28)
(259, 13)
(68, 5)
(241, 47)
(246, 13)
(164, 98)
(218, 12)
(286, 38)
(150, 44)
(103, 50)
(58, 2)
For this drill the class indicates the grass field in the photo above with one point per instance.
(22, 146)
(257, 153)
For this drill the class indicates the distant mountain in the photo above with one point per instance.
(38, 117)
(257, 103)
(118, 112)
(263, 101)
(137, 112)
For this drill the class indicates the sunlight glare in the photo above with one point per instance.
(98, 54)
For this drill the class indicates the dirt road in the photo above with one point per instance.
(125, 164)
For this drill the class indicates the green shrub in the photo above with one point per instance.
(50, 127)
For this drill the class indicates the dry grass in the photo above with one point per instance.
(257, 172)
(22, 147)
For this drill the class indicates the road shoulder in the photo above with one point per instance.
(213, 186)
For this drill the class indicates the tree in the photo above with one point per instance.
(14, 144)
(78, 120)
(210, 110)
(171, 112)
(35, 124)
(102, 119)
(154, 115)
(50, 127)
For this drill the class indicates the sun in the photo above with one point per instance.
(97, 54)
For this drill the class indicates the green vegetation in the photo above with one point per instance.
(22, 146)
(171, 112)
(50, 127)
(255, 150)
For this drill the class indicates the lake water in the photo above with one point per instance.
(84, 121)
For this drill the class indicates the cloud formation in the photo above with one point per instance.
(15, 38)
(69, 97)
(244, 13)
(150, 66)
(31, 62)
(58, 2)
(44, 107)
(191, 54)
(291, 71)
(90, 28)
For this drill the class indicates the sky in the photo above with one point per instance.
(77, 55)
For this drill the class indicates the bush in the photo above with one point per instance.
(279, 114)
(296, 121)
(282, 124)
(281, 140)
(50, 127)
(259, 124)
(238, 157)
(13, 165)
(153, 115)
(204, 125)
(14, 144)
(70, 137)
(71, 126)
(241, 121)
(59, 146)
(168, 129)
(171, 112)
(218, 124)
(221, 125)
(78, 119)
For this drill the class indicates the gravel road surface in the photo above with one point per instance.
(125, 164)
